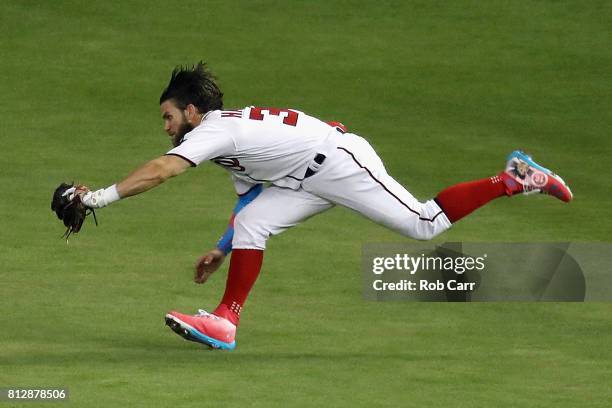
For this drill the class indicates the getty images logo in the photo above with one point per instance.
(414, 264)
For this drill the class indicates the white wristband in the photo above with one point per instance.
(111, 194)
(101, 198)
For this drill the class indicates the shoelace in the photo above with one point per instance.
(204, 313)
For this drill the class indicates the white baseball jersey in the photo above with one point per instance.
(258, 144)
(278, 146)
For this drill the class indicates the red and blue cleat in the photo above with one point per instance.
(206, 328)
(340, 127)
(523, 175)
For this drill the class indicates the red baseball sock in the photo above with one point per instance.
(244, 268)
(461, 199)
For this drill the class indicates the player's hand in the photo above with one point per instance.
(82, 189)
(207, 264)
(79, 189)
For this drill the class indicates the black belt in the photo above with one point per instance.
(319, 159)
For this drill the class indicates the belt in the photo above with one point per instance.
(315, 165)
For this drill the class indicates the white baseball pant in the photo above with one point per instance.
(353, 176)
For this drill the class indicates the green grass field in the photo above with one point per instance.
(443, 90)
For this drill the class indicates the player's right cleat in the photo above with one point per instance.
(523, 175)
(206, 328)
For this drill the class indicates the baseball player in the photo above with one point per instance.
(287, 166)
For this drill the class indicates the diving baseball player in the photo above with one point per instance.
(288, 166)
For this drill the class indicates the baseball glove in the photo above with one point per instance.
(69, 208)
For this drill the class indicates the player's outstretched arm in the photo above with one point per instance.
(144, 178)
(151, 175)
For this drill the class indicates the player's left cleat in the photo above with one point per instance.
(206, 328)
(523, 175)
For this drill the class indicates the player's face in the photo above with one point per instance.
(175, 121)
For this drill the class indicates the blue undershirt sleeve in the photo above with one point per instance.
(225, 242)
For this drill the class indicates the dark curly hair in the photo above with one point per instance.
(193, 85)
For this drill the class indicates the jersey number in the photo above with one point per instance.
(289, 118)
